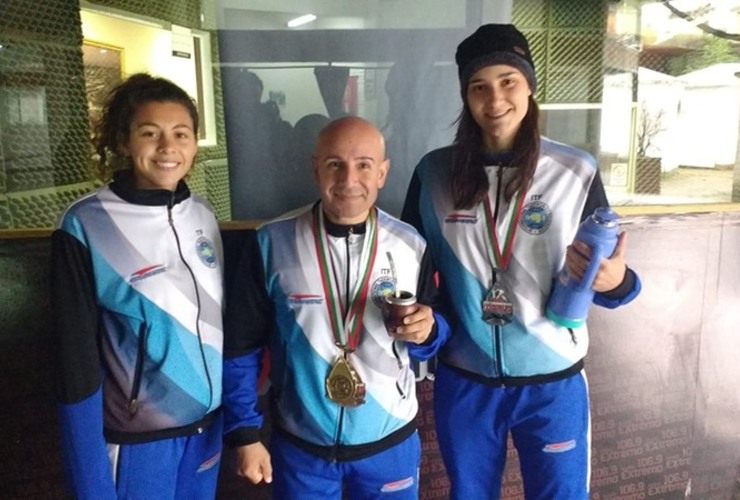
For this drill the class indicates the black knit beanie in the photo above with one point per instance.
(494, 44)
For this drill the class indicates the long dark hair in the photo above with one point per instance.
(114, 126)
(469, 180)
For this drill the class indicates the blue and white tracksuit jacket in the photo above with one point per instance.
(520, 377)
(138, 291)
(531, 349)
(279, 301)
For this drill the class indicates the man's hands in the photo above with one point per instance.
(253, 462)
(416, 326)
(611, 271)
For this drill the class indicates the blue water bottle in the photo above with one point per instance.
(571, 299)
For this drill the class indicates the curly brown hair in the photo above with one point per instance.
(113, 128)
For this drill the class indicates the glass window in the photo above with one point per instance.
(650, 90)
(389, 62)
(670, 121)
(138, 43)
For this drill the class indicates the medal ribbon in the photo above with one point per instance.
(346, 327)
(501, 257)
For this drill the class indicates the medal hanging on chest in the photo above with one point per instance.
(497, 305)
(343, 384)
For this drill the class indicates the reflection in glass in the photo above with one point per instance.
(392, 66)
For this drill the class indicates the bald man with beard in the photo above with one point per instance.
(308, 293)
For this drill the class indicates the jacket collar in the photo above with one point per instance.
(123, 185)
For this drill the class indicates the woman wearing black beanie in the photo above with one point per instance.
(500, 208)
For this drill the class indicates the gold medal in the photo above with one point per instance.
(344, 386)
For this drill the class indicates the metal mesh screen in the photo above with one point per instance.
(43, 111)
(182, 12)
(217, 185)
(44, 124)
(40, 208)
(566, 39)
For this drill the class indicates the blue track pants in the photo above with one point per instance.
(390, 474)
(549, 425)
(180, 468)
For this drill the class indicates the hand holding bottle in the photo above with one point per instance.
(611, 271)
(572, 292)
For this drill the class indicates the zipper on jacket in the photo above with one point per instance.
(498, 329)
(349, 267)
(197, 300)
(133, 402)
(498, 333)
(338, 437)
(340, 424)
(573, 336)
(400, 367)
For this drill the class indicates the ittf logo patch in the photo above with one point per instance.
(536, 217)
(382, 287)
(206, 251)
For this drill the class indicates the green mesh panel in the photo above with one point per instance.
(6, 221)
(530, 14)
(217, 177)
(538, 46)
(567, 43)
(574, 72)
(44, 129)
(182, 12)
(210, 179)
(589, 15)
(43, 111)
(28, 173)
(41, 208)
(47, 21)
(197, 181)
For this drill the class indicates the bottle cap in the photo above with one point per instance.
(605, 216)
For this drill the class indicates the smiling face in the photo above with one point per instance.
(162, 145)
(350, 167)
(498, 99)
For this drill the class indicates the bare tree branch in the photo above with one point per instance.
(691, 17)
(650, 124)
